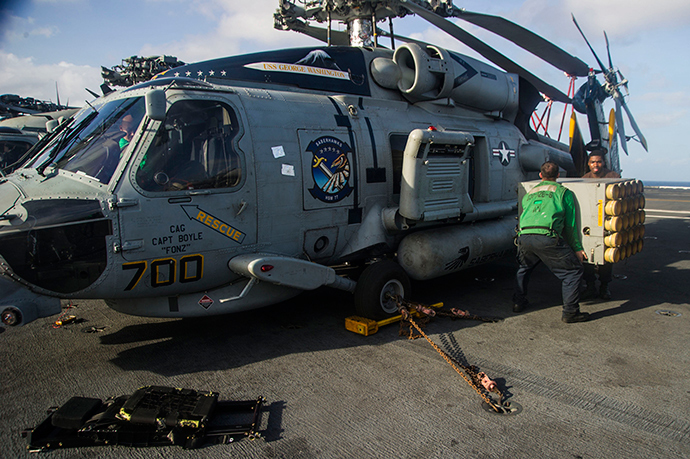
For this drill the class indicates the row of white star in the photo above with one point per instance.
(200, 73)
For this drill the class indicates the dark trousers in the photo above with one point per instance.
(557, 255)
(605, 272)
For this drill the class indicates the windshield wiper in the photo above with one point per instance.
(42, 142)
(66, 136)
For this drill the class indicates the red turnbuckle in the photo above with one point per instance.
(488, 384)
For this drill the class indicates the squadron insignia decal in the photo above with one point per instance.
(503, 152)
(330, 169)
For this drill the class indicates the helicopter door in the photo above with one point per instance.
(188, 205)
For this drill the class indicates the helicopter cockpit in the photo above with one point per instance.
(193, 149)
(94, 140)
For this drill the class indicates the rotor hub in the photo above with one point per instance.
(360, 16)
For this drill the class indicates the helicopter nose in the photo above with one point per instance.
(20, 306)
(57, 244)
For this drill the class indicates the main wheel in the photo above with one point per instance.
(377, 283)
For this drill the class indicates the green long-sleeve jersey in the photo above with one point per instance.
(549, 208)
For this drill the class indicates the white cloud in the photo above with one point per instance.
(239, 30)
(24, 77)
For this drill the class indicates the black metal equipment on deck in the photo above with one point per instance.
(152, 416)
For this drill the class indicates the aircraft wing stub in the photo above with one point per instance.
(290, 272)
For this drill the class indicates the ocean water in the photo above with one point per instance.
(666, 184)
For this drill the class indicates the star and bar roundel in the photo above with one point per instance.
(503, 152)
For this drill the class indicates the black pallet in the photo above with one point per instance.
(152, 416)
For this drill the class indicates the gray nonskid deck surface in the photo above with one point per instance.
(614, 387)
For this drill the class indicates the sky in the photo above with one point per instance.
(44, 43)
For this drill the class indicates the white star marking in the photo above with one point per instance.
(199, 73)
(223, 72)
(177, 74)
(212, 72)
(188, 73)
(504, 154)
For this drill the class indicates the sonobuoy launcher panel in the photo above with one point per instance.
(610, 216)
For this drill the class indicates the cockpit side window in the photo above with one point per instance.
(193, 149)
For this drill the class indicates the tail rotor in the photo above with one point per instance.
(614, 80)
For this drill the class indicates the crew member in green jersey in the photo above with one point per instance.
(548, 233)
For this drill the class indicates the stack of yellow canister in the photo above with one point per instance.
(624, 220)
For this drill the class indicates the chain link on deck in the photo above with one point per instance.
(478, 381)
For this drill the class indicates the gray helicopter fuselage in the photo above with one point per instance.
(249, 191)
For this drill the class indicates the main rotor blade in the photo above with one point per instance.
(608, 50)
(486, 51)
(620, 127)
(601, 65)
(527, 40)
(641, 137)
(386, 34)
(338, 38)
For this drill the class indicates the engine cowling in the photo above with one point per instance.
(429, 72)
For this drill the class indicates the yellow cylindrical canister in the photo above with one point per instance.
(636, 232)
(613, 191)
(613, 224)
(629, 220)
(613, 240)
(624, 206)
(630, 186)
(613, 208)
(612, 255)
(636, 217)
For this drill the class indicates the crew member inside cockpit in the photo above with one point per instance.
(128, 126)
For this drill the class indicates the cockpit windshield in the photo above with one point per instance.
(95, 139)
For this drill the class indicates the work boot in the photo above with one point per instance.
(519, 306)
(520, 303)
(571, 317)
(590, 292)
(604, 292)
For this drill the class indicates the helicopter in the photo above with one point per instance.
(239, 182)
(22, 121)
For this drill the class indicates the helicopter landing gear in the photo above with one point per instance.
(377, 287)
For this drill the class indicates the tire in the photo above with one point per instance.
(374, 284)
